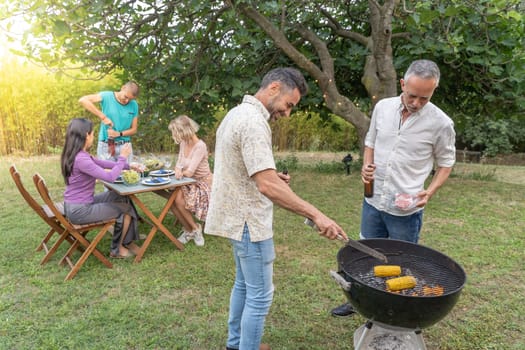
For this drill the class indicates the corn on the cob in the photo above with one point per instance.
(387, 270)
(400, 283)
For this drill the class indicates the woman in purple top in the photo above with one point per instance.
(80, 171)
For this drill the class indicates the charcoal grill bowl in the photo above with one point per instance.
(411, 312)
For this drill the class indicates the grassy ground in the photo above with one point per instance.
(179, 300)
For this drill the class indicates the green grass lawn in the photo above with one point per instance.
(179, 300)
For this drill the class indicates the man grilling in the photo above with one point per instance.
(245, 187)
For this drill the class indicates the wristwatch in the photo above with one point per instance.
(121, 134)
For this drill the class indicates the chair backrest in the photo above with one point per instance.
(40, 210)
(55, 227)
(44, 193)
(74, 229)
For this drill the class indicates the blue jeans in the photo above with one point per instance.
(252, 291)
(379, 224)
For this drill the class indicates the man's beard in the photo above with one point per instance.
(274, 112)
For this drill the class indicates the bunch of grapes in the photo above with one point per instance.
(130, 177)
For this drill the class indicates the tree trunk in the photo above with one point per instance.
(379, 76)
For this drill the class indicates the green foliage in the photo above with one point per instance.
(330, 167)
(194, 57)
(289, 163)
(211, 162)
(480, 47)
(312, 132)
(494, 136)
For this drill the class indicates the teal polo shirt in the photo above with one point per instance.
(121, 115)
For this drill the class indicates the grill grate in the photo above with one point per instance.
(428, 273)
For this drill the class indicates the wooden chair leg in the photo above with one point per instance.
(89, 250)
(54, 248)
(66, 259)
(43, 244)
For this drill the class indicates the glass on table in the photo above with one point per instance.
(138, 165)
(168, 161)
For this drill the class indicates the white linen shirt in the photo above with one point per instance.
(404, 154)
(243, 148)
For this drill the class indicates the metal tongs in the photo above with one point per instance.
(354, 244)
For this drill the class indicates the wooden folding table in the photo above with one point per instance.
(145, 186)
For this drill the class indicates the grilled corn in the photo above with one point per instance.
(387, 270)
(400, 283)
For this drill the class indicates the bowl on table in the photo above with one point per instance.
(130, 177)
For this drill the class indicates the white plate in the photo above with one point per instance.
(162, 172)
(155, 181)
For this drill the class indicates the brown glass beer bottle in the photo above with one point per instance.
(369, 188)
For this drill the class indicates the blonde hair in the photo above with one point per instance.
(183, 128)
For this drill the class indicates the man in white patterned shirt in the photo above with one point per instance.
(245, 187)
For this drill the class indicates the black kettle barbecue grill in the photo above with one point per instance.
(410, 310)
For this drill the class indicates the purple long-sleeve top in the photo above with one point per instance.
(86, 170)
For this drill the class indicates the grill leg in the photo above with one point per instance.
(368, 326)
(419, 340)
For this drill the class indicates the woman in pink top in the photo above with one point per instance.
(192, 199)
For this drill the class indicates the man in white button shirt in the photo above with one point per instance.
(245, 186)
(408, 135)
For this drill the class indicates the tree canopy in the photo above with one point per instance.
(196, 56)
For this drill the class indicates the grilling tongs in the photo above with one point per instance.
(354, 244)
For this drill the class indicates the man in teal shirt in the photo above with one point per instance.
(119, 118)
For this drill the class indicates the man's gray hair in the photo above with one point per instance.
(424, 69)
(290, 77)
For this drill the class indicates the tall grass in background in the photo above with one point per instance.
(301, 132)
(310, 132)
(36, 105)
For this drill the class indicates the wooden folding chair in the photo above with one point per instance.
(47, 215)
(78, 232)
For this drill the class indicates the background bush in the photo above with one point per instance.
(495, 136)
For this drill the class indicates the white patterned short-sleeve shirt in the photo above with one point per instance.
(243, 148)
